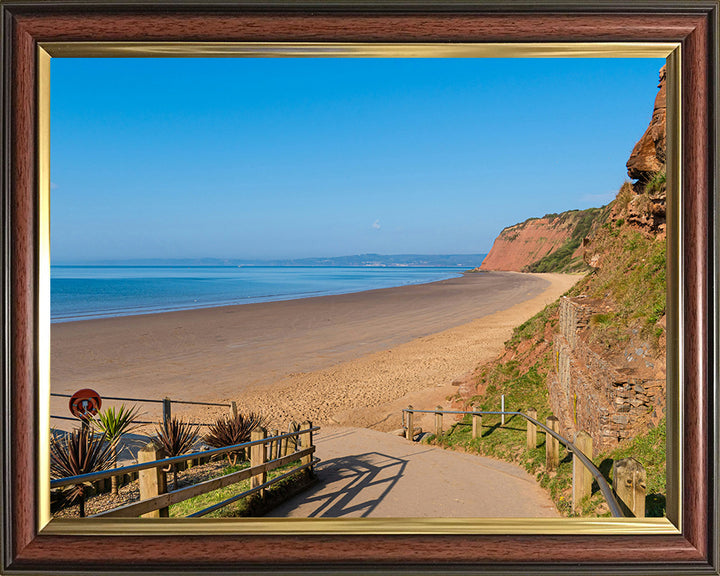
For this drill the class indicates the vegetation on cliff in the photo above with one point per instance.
(622, 246)
(566, 257)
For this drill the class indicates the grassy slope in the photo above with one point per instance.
(632, 282)
(242, 507)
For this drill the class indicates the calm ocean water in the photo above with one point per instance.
(83, 292)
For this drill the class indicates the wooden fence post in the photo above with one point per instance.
(273, 453)
(292, 444)
(305, 440)
(167, 409)
(438, 422)
(283, 449)
(476, 424)
(629, 484)
(531, 430)
(257, 457)
(152, 481)
(409, 431)
(552, 446)
(582, 478)
(233, 408)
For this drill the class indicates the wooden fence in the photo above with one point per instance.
(266, 453)
(628, 496)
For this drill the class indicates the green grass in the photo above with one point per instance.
(527, 388)
(240, 507)
(508, 443)
(656, 183)
(633, 280)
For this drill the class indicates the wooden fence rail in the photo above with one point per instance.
(582, 464)
(155, 499)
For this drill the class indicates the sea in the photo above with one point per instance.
(88, 292)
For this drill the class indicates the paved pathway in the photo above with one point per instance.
(365, 473)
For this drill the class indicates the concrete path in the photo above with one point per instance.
(365, 473)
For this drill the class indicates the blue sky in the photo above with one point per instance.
(289, 158)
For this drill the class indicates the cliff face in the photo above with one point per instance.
(550, 243)
(562, 242)
(648, 155)
(522, 244)
(598, 355)
(609, 350)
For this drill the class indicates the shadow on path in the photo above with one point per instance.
(352, 485)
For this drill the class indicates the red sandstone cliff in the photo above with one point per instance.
(601, 349)
(560, 243)
(521, 245)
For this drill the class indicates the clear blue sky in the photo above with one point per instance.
(286, 158)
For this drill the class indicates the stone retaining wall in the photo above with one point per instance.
(591, 392)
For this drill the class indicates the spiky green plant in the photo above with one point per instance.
(115, 424)
(80, 452)
(231, 430)
(176, 437)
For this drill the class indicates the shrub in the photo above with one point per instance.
(228, 431)
(80, 452)
(176, 437)
(115, 425)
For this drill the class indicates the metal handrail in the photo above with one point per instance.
(149, 400)
(134, 421)
(607, 492)
(91, 476)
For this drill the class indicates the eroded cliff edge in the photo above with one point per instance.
(595, 358)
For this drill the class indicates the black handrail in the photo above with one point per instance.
(149, 400)
(607, 492)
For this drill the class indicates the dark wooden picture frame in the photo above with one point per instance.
(27, 24)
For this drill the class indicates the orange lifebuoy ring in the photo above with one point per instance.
(85, 403)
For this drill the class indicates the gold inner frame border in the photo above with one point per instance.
(671, 524)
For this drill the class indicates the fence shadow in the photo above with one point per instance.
(350, 486)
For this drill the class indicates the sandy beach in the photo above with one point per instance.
(352, 359)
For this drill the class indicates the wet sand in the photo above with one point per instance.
(330, 359)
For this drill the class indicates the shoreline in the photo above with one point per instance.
(294, 352)
(267, 299)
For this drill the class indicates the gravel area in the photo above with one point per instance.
(131, 492)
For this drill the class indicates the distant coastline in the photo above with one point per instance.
(355, 260)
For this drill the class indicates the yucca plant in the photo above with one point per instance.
(115, 424)
(80, 452)
(176, 437)
(231, 430)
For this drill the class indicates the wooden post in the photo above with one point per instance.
(552, 446)
(152, 481)
(531, 430)
(305, 440)
(283, 449)
(582, 478)
(167, 409)
(629, 484)
(438, 422)
(233, 408)
(502, 409)
(409, 431)
(257, 457)
(273, 445)
(476, 424)
(292, 440)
